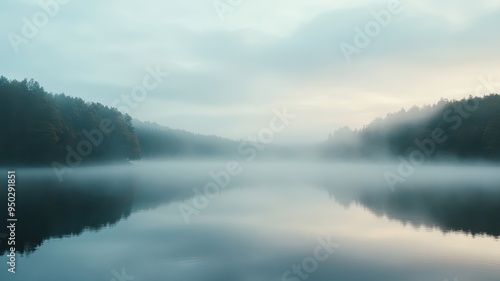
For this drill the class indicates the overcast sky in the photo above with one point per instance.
(227, 75)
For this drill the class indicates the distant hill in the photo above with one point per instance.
(157, 141)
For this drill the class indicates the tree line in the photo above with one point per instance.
(450, 129)
(39, 128)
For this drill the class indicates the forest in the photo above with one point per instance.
(39, 128)
(448, 130)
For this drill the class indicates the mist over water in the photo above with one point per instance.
(226, 140)
(161, 222)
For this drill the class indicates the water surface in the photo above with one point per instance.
(149, 221)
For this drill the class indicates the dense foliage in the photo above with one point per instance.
(38, 128)
(468, 128)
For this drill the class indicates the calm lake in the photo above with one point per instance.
(221, 221)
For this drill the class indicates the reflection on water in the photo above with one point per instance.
(469, 209)
(47, 208)
(470, 206)
(267, 220)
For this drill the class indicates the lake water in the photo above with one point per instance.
(271, 221)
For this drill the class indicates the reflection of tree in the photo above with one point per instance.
(47, 208)
(471, 210)
(88, 199)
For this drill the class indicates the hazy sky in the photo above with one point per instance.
(227, 75)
